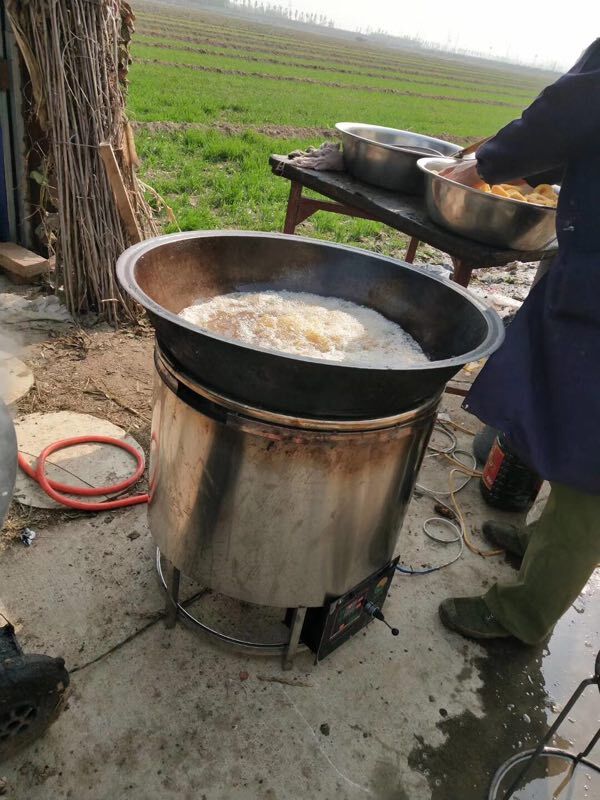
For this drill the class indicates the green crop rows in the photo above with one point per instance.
(212, 96)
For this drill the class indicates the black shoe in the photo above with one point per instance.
(471, 617)
(504, 536)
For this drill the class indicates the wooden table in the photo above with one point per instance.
(405, 213)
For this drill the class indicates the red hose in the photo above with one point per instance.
(57, 490)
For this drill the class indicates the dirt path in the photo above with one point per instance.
(273, 131)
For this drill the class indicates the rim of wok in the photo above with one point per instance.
(126, 275)
(425, 165)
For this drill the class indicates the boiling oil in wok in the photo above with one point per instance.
(308, 325)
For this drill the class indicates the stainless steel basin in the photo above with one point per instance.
(487, 218)
(387, 157)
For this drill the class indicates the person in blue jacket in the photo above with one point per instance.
(542, 387)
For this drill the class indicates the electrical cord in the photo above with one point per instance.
(458, 538)
(459, 527)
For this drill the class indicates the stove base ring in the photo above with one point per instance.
(174, 608)
(527, 755)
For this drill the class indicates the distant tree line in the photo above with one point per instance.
(270, 9)
(283, 12)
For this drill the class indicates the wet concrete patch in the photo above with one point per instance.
(475, 746)
(523, 690)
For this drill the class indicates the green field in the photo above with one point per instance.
(213, 95)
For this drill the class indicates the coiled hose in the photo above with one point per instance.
(59, 491)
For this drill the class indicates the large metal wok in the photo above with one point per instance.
(168, 273)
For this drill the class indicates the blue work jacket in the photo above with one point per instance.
(542, 387)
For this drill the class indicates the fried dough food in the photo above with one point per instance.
(542, 195)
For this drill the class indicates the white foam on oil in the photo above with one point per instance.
(308, 325)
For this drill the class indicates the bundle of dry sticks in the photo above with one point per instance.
(77, 55)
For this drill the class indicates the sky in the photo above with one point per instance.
(542, 32)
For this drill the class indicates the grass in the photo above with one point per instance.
(347, 80)
(192, 75)
(213, 180)
(177, 94)
(243, 35)
(299, 55)
(318, 72)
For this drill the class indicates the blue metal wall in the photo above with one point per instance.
(10, 215)
(4, 214)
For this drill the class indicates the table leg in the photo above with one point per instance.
(462, 273)
(293, 207)
(412, 250)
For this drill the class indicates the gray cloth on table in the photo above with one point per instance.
(327, 157)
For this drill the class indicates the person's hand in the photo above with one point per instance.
(464, 172)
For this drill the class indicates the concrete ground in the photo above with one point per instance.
(156, 713)
(160, 714)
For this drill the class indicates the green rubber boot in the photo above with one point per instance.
(506, 537)
(471, 617)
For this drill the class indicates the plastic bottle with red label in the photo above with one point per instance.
(507, 482)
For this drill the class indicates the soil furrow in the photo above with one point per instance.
(329, 84)
(321, 67)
